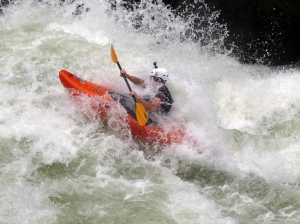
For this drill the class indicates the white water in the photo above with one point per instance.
(58, 165)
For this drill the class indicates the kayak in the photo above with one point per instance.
(105, 104)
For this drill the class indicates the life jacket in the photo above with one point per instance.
(166, 99)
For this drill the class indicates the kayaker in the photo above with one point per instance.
(162, 100)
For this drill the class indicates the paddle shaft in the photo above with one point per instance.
(127, 83)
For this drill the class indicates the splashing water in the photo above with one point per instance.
(61, 165)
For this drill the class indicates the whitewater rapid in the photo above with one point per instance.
(58, 164)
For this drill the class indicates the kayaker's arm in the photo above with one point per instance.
(151, 107)
(133, 79)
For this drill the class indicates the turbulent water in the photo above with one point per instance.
(58, 164)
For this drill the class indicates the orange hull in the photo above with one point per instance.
(149, 134)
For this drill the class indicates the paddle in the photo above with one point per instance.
(141, 113)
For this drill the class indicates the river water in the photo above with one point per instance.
(58, 164)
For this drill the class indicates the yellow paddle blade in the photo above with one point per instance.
(113, 54)
(141, 114)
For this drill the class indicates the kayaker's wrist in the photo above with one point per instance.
(137, 97)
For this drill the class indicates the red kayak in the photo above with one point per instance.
(108, 100)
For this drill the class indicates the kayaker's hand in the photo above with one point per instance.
(132, 93)
(123, 73)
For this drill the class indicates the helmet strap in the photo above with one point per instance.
(161, 80)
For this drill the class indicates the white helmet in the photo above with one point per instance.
(160, 73)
